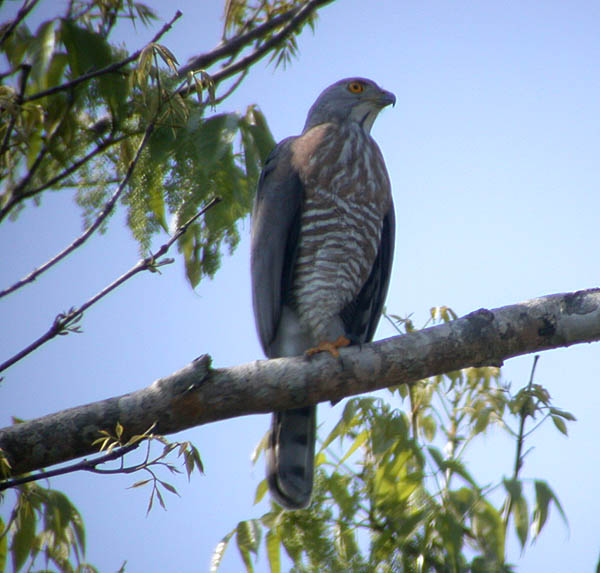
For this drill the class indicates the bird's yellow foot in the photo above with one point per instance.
(331, 347)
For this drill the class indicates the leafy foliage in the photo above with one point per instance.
(75, 117)
(393, 490)
(241, 14)
(151, 462)
(44, 523)
(79, 112)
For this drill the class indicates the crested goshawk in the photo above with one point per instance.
(321, 254)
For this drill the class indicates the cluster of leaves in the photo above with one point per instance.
(43, 524)
(181, 169)
(396, 494)
(76, 108)
(111, 441)
(242, 15)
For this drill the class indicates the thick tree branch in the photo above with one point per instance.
(198, 394)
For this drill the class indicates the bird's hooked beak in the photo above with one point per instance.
(386, 98)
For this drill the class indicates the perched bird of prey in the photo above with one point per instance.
(321, 255)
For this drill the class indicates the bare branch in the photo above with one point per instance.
(65, 322)
(198, 394)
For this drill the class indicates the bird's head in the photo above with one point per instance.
(350, 99)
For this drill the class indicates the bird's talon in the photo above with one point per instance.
(331, 347)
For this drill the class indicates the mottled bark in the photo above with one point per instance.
(199, 394)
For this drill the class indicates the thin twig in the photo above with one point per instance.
(72, 168)
(21, 15)
(520, 441)
(523, 414)
(65, 322)
(106, 210)
(233, 46)
(62, 320)
(107, 69)
(296, 20)
(88, 465)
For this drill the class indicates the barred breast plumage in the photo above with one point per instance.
(341, 221)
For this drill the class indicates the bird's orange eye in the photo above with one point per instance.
(356, 87)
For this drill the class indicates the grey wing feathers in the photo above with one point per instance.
(275, 228)
(361, 316)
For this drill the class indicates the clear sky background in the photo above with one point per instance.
(493, 152)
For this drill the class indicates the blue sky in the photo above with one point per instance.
(492, 150)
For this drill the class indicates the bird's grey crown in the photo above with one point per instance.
(338, 104)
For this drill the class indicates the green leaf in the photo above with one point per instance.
(462, 499)
(339, 485)
(168, 487)
(260, 447)
(513, 487)
(261, 490)
(453, 465)
(274, 551)
(3, 546)
(167, 56)
(89, 51)
(560, 424)
(23, 541)
(563, 414)
(250, 155)
(160, 498)
(358, 442)
(157, 206)
(428, 427)
(345, 542)
(261, 134)
(520, 514)
(217, 556)
(519, 510)
(482, 420)
(394, 482)
(488, 527)
(41, 49)
(320, 459)
(452, 535)
(346, 422)
(543, 497)
(248, 535)
(140, 483)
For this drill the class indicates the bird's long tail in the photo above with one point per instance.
(291, 455)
